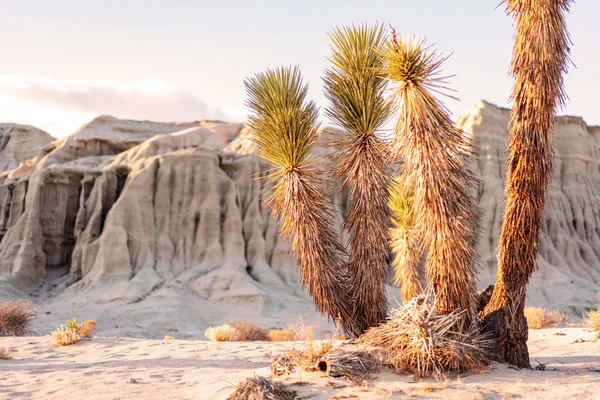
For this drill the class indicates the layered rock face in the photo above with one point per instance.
(127, 210)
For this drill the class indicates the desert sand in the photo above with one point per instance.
(127, 368)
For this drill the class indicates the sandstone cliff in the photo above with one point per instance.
(130, 211)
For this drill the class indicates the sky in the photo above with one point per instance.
(66, 61)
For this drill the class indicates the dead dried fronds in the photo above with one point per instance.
(15, 316)
(261, 388)
(420, 340)
(65, 336)
(248, 331)
(282, 335)
(434, 154)
(407, 247)
(355, 90)
(285, 127)
(539, 318)
(221, 333)
(5, 354)
(292, 360)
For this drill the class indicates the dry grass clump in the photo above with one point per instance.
(239, 331)
(15, 316)
(73, 332)
(282, 335)
(5, 354)
(248, 331)
(419, 340)
(65, 336)
(539, 318)
(260, 388)
(593, 320)
(221, 333)
(87, 329)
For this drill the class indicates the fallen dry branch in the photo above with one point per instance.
(419, 340)
(292, 360)
(260, 388)
(351, 364)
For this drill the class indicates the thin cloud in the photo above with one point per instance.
(55, 104)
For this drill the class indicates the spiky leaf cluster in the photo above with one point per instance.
(405, 242)
(434, 151)
(355, 90)
(284, 127)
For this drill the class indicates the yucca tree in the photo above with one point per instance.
(355, 89)
(540, 58)
(405, 243)
(434, 153)
(285, 127)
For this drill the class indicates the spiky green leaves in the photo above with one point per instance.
(356, 91)
(284, 127)
(353, 84)
(405, 242)
(283, 123)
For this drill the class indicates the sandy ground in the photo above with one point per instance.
(129, 368)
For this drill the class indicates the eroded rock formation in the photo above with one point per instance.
(128, 209)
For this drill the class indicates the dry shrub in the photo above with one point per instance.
(239, 331)
(221, 333)
(282, 335)
(87, 329)
(65, 336)
(539, 318)
(303, 332)
(15, 316)
(5, 354)
(593, 320)
(419, 340)
(248, 331)
(260, 388)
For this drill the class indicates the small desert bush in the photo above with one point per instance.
(86, 329)
(15, 317)
(65, 336)
(248, 331)
(593, 320)
(4, 354)
(73, 332)
(419, 340)
(539, 318)
(240, 331)
(282, 335)
(307, 359)
(221, 333)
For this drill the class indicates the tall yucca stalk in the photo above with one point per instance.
(355, 90)
(284, 127)
(406, 245)
(434, 153)
(540, 58)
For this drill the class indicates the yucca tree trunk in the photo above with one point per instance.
(540, 58)
(356, 92)
(434, 154)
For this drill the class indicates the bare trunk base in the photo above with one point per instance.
(510, 345)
